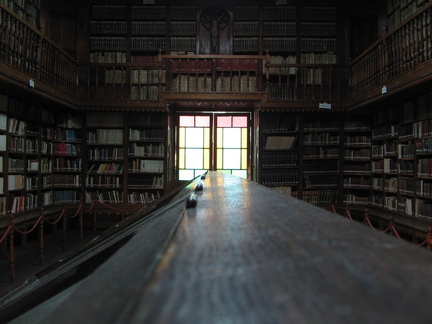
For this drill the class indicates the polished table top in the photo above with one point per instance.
(247, 254)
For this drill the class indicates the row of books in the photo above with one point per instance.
(319, 152)
(384, 131)
(281, 28)
(151, 166)
(194, 66)
(146, 134)
(148, 12)
(103, 181)
(183, 43)
(106, 153)
(321, 139)
(424, 168)
(66, 196)
(26, 9)
(23, 203)
(318, 58)
(62, 134)
(105, 136)
(277, 44)
(357, 182)
(108, 27)
(183, 27)
(353, 140)
(249, 44)
(142, 92)
(246, 28)
(146, 76)
(101, 11)
(64, 164)
(318, 13)
(424, 188)
(149, 27)
(146, 181)
(153, 150)
(108, 43)
(317, 181)
(279, 177)
(16, 182)
(66, 180)
(17, 126)
(279, 159)
(424, 146)
(147, 43)
(423, 209)
(318, 29)
(111, 168)
(321, 196)
(357, 154)
(283, 91)
(318, 44)
(107, 196)
(67, 149)
(146, 197)
(108, 57)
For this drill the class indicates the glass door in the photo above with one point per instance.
(213, 141)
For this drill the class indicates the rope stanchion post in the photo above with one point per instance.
(11, 249)
(81, 226)
(65, 228)
(41, 237)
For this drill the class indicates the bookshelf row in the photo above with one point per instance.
(69, 157)
(174, 28)
(363, 157)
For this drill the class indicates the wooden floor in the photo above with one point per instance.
(246, 254)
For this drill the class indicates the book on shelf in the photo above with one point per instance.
(279, 142)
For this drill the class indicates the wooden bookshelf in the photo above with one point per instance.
(104, 175)
(146, 156)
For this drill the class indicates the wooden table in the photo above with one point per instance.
(247, 254)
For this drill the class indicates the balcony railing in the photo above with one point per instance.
(399, 57)
(399, 54)
(25, 50)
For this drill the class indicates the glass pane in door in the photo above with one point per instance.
(194, 146)
(232, 145)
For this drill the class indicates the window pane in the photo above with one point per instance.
(202, 121)
(224, 121)
(219, 136)
(187, 121)
(232, 138)
(244, 138)
(219, 159)
(194, 159)
(182, 137)
(231, 158)
(181, 159)
(206, 137)
(194, 137)
(240, 121)
(206, 164)
(244, 159)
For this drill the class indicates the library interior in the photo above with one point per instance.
(109, 109)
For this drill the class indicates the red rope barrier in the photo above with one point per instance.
(334, 209)
(367, 220)
(28, 232)
(58, 219)
(77, 212)
(5, 234)
(393, 228)
(91, 206)
(348, 214)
